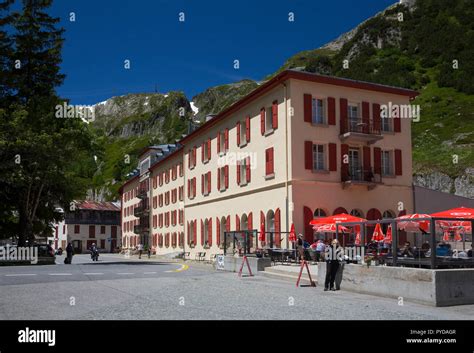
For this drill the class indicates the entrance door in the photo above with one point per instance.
(77, 246)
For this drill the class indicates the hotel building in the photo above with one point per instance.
(299, 146)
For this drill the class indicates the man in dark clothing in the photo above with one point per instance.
(332, 265)
(69, 253)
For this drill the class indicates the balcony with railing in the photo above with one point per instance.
(360, 131)
(359, 175)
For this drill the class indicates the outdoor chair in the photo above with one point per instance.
(202, 256)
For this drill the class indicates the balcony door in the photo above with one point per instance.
(355, 169)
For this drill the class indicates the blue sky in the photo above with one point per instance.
(196, 54)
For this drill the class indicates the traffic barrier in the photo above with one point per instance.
(245, 260)
(303, 265)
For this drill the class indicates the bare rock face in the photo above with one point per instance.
(462, 185)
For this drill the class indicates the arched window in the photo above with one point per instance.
(244, 222)
(270, 223)
(357, 213)
(319, 212)
(339, 210)
(388, 214)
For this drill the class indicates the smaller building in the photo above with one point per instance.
(90, 222)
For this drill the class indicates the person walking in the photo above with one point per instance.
(332, 265)
(69, 254)
(140, 250)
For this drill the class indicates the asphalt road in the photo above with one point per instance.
(119, 288)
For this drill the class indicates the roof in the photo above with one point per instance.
(97, 206)
(298, 75)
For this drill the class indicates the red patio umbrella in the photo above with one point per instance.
(412, 222)
(339, 218)
(292, 236)
(446, 235)
(388, 236)
(378, 235)
(329, 228)
(457, 235)
(357, 239)
(456, 213)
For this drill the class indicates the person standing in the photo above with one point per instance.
(332, 265)
(69, 253)
(140, 250)
(300, 247)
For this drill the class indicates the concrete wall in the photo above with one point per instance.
(431, 287)
(431, 201)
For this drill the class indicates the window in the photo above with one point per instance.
(318, 112)
(243, 171)
(386, 124)
(206, 183)
(77, 229)
(387, 168)
(353, 115)
(242, 133)
(223, 141)
(319, 162)
(357, 213)
(319, 212)
(102, 229)
(221, 177)
(144, 166)
(268, 120)
(269, 166)
(91, 231)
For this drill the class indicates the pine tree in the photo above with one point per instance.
(41, 151)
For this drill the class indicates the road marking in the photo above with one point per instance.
(21, 274)
(149, 273)
(182, 268)
(60, 274)
(125, 273)
(93, 274)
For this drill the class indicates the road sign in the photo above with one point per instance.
(220, 262)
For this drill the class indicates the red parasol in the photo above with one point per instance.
(378, 235)
(446, 235)
(329, 228)
(388, 236)
(339, 218)
(357, 239)
(411, 222)
(455, 213)
(292, 236)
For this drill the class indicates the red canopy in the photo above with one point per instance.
(339, 218)
(412, 222)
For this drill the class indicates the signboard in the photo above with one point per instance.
(220, 262)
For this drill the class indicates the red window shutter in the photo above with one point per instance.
(238, 133)
(397, 124)
(189, 165)
(202, 152)
(209, 181)
(247, 171)
(269, 161)
(247, 128)
(308, 108)
(262, 221)
(194, 155)
(194, 188)
(262, 121)
(250, 221)
(218, 142)
(398, 162)
(266, 162)
(202, 184)
(277, 228)
(209, 238)
(195, 232)
(308, 155)
(218, 231)
(226, 139)
(377, 160)
(367, 162)
(237, 223)
(343, 114)
(219, 179)
(227, 224)
(332, 157)
(344, 166)
(202, 232)
(209, 149)
(226, 176)
(331, 111)
(376, 118)
(308, 228)
(275, 115)
(366, 117)
(238, 172)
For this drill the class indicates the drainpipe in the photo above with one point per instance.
(287, 201)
